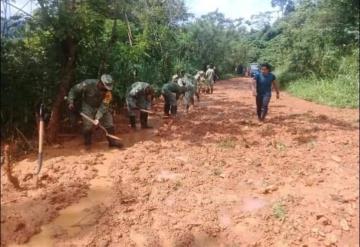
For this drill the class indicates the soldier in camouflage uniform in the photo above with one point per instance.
(171, 91)
(181, 78)
(189, 84)
(199, 83)
(95, 98)
(139, 96)
(181, 82)
(210, 76)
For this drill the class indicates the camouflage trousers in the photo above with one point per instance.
(209, 86)
(189, 96)
(170, 98)
(201, 87)
(106, 120)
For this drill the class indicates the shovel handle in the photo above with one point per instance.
(147, 111)
(87, 118)
(93, 122)
(41, 139)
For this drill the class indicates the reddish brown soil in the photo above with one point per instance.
(213, 177)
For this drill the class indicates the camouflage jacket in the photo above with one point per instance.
(136, 95)
(91, 96)
(137, 89)
(172, 87)
(210, 75)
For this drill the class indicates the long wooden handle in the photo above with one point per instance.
(93, 122)
(100, 126)
(147, 111)
(41, 135)
(87, 118)
(41, 143)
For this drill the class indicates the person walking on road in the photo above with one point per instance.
(139, 97)
(95, 98)
(261, 87)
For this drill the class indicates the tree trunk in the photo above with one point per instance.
(65, 83)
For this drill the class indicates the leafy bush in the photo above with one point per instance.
(340, 88)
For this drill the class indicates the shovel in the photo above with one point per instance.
(100, 126)
(41, 139)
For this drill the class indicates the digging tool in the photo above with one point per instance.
(41, 138)
(100, 126)
(150, 112)
(147, 111)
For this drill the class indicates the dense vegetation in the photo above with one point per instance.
(313, 46)
(315, 51)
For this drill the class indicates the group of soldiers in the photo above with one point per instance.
(95, 96)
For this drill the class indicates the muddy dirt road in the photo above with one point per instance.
(213, 177)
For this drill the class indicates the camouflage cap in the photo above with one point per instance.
(175, 77)
(107, 81)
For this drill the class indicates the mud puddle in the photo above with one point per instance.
(73, 218)
(85, 213)
(131, 137)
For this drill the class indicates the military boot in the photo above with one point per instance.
(198, 97)
(144, 120)
(174, 110)
(192, 101)
(133, 122)
(113, 142)
(87, 139)
(166, 109)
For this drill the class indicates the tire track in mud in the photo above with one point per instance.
(215, 177)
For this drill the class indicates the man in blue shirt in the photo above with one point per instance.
(261, 88)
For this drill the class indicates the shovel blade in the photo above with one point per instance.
(114, 137)
(40, 161)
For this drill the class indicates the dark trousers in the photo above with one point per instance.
(262, 105)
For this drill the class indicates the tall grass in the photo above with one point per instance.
(338, 89)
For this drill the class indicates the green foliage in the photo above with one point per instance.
(334, 92)
(313, 51)
(340, 90)
(313, 48)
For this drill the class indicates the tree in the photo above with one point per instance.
(148, 40)
(261, 21)
(285, 6)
